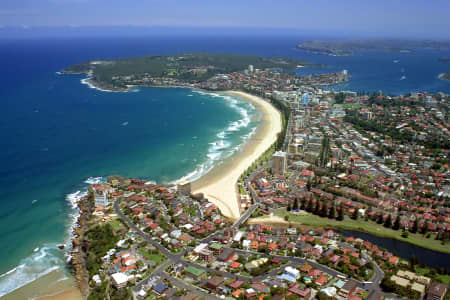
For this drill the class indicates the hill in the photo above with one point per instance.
(188, 66)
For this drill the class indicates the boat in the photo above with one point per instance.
(395, 61)
(403, 77)
(62, 246)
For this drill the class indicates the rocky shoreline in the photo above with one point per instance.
(78, 246)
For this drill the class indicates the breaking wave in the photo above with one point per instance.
(229, 140)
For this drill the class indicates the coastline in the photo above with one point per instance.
(73, 287)
(48, 287)
(219, 184)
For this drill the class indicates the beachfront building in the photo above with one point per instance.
(184, 188)
(279, 163)
(101, 200)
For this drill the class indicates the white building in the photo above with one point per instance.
(101, 200)
(292, 272)
(119, 280)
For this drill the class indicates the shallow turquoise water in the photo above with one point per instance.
(64, 132)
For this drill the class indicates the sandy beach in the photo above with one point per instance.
(51, 286)
(219, 185)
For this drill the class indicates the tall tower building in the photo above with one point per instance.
(279, 163)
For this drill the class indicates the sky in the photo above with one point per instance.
(401, 18)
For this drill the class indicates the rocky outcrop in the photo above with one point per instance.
(78, 252)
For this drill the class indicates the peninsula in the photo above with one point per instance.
(120, 74)
(349, 47)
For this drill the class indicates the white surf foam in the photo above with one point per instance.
(222, 147)
(48, 257)
(94, 180)
(38, 264)
(90, 85)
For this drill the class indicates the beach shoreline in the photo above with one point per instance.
(219, 185)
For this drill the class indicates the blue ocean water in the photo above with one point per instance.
(58, 135)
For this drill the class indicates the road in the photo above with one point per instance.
(177, 259)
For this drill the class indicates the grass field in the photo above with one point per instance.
(117, 225)
(368, 227)
(426, 272)
(157, 258)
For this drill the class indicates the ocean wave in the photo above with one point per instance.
(73, 198)
(90, 85)
(222, 148)
(199, 171)
(47, 259)
(94, 180)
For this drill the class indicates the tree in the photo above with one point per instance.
(388, 221)
(332, 212)
(303, 204)
(317, 207)
(340, 216)
(323, 210)
(339, 98)
(380, 219)
(309, 207)
(322, 296)
(414, 226)
(425, 228)
(295, 206)
(396, 225)
(355, 214)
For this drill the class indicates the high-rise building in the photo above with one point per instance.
(250, 68)
(100, 199)
(279, 163)
(184, 188)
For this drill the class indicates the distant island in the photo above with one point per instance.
(119, 74)
(349, 47)
(444, 59)
(445, 76)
